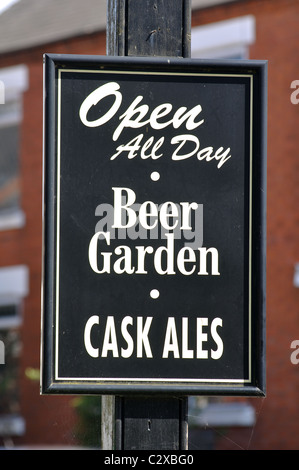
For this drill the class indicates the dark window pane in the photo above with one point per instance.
(9, 167)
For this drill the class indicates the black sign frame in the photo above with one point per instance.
(254, 76)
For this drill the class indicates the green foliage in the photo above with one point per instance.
(88, 430)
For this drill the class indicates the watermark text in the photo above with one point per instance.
(2, 352)
(190, 228)
(295, 354)
(295, 94)
(2, 92)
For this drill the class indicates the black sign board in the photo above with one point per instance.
(154, 226)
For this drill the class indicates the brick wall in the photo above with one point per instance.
(49, 420)
(277, 40)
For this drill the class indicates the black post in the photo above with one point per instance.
(148, 28)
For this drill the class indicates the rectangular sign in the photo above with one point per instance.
(154, 226)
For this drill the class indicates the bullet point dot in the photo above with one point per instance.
(154, 293)
(155, 176)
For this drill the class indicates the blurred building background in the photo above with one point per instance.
(244, 29)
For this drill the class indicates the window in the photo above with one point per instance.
(13, 288)
(14, 82)
(228, 39)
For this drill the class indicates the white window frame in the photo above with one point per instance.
(223, 39)
(14, 82)
(14, 287)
